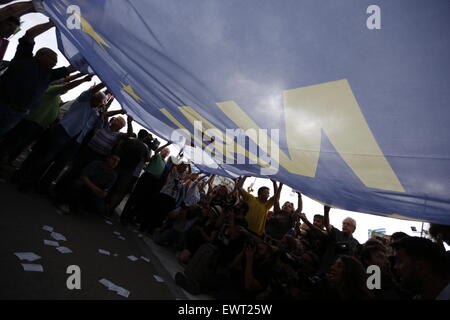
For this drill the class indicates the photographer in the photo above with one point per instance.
(158, 207)
(153, 143)
(148, 184)
(133, 154)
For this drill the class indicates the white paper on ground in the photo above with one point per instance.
(58, 236)
(108, 222)
(106, 283)
(64, 250)
(145, 259)
(51, 243)
(47, 228)
(122, 292)
(111, 286)
(158, 278)
(32, 267)
(103, 252)
(132, 258)
(116, 233)
(121, 238)
(116, 255)
(29, 256)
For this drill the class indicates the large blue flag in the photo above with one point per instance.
(346, 101)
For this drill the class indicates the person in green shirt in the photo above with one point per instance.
(29, 129)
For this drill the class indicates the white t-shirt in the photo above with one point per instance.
(192, 195)
(172, 183)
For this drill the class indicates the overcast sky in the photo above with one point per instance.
(364, 221)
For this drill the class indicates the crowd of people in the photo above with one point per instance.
(230, 244)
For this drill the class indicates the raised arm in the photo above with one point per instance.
(197, 177)
(109, 103)
(73, 84)
(211, 192)
(239, 185)
(315, 229)
(211, 180)
(37, 30)
(109, 114)
(16, 9)
(277, 191)
(276, 205)
(300, 202)
(75, 76)
(98, 87)
(161, 148)
(129, 125)
(326, 217)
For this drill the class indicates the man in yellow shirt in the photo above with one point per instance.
(258, 206)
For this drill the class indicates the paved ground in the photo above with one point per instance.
(22, 217)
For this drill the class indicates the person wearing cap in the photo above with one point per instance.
(422, 268)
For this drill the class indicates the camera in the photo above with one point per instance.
(342, 247)
(153, 144)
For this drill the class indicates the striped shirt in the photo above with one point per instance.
(104, 140)
(81, 117)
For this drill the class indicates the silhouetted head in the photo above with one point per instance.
(117, 123)
(142, 134)
(47, 58)
(98, 100)
(440, 232)
(417, 260)
(318, 221)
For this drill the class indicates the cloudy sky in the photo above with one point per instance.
(364, 221)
